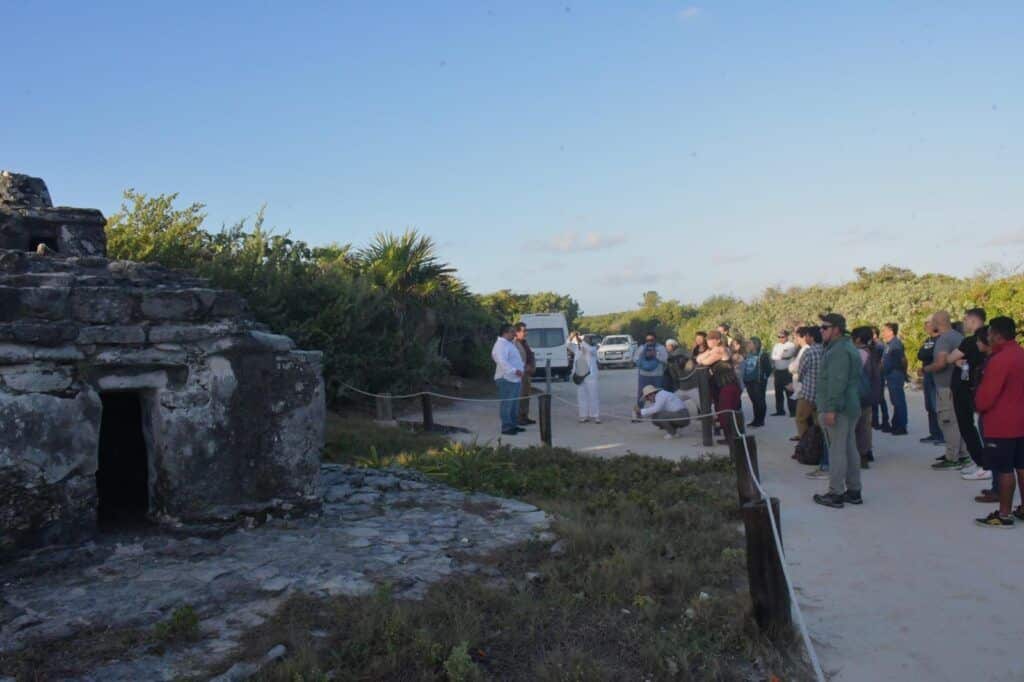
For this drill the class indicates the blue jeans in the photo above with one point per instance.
(894, 381)
(931, 407)
(508, 408)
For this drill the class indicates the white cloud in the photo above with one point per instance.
(689, 13)
(574, 242)
(1007, 239)
(633, 275)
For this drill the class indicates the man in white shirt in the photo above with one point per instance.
(783, 353)
(668, 411)
(508, 376)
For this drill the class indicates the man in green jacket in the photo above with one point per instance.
(838, 401)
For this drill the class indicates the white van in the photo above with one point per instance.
(547, 334)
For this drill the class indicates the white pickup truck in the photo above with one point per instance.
(616, 349)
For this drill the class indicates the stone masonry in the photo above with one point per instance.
(228, 417)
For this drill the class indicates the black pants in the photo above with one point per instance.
(963, 407)
(782, 379)
(756, 390)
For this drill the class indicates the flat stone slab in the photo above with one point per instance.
(408, 536)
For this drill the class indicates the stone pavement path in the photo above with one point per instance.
(391, 526)
(905, 587)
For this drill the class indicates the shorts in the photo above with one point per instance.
(1003, 455)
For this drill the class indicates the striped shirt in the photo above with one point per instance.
(810, 363)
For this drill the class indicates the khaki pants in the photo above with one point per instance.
(843, 460)
(524, 405)
(946, 412)
(806, 414)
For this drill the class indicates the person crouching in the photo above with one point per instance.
(666, 410)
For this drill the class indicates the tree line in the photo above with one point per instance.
(872, 297)
(390, 316)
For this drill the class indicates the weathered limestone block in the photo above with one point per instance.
(23, 190)
(127, 357)
(275, 342)
(112, 334)
(184, 333)
(39, 333)
(103, 305)
(48, 303)
(174, 304)
(36, 378)
(47, 466)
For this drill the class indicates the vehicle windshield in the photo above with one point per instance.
(545, 338)
(615, 341)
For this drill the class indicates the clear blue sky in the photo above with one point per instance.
(594, 148)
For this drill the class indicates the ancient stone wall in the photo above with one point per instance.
(232, 414)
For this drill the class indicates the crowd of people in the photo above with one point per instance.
(838, 385)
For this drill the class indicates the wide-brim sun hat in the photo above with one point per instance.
(672, 342)
(649, 390)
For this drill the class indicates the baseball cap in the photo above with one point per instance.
(833, 320)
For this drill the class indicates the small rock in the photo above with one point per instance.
(559, 548)
(237, 673)
(275, 654)
(704, 596)
(546, 536)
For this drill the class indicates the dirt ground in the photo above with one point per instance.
(905, 587)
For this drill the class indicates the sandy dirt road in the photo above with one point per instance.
(905, 587)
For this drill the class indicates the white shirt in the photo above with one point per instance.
(506, 360)
(586, 358)
(782, 354)
(664, 402)
(794, 369)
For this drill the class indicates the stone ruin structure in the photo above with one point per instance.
(130, 392)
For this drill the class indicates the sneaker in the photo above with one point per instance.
(1019, 512)
(833, 500)
(926, 439)
(777, 414)
(583, 420)
(940, 458)
(947, 464)
(994, 520)
(519, 429)
(597, 420)
(987, 498)
(527, 422)
(898, 432)
(965, 462)
(669, 436)
(871, 455)
(795, 439)
(817, 474)
(510, 432)
(975, 473)
(850, 497)
(885, 428)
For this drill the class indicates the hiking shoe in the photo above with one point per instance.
(987, 498)
(975, 473)
(946, 464)
(851, 497)
(833, 500)
(817, 473)
(994, 520)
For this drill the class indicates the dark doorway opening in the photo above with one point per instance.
(122, 478)
(35, 240)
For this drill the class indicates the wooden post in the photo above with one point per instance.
(745, 485)
(544, 412)
(428, 413)
(704, 390)
(384, 412)
(772, 607)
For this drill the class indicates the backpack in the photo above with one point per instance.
(752, 369)
(649, 359)
(811, 446)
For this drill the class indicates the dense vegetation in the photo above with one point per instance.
(390, 316)
(646, 582)
(889, 294)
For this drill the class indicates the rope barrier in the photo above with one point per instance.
(819, 673)
(801, 623)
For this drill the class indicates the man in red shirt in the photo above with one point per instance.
(1000, 401)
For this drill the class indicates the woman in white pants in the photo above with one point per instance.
(585, 365)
